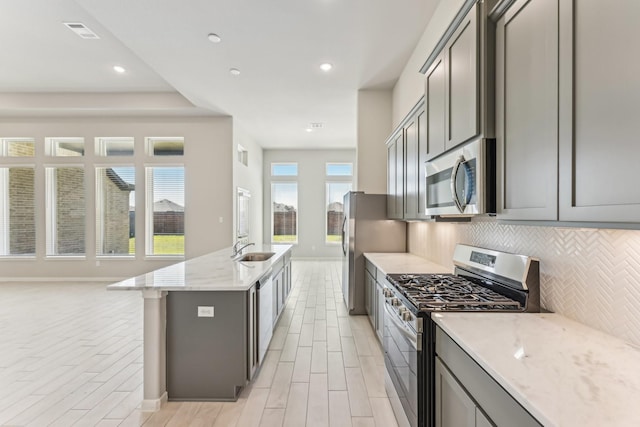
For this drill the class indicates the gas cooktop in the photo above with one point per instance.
(451, 292)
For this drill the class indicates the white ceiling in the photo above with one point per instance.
(277, 45)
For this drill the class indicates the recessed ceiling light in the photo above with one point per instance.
(309, 130)
(214, 38)
(234, 71)
(118, 69)
(326, 66)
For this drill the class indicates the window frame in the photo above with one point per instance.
(272, 212)
(149, 217)
(326, 206)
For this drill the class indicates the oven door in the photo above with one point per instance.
(462, 182)
(402, 356)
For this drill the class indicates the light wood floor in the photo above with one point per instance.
(71, 354)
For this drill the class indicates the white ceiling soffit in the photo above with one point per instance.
(278, 46)
(40, 54)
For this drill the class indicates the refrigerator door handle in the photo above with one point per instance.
(344, 226)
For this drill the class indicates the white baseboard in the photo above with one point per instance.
(152, 405)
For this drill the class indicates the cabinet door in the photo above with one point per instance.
(367, 293)
(411, 155)
(435, 105)
(399, 199)
(599, 98)
(379, 308)
(462, 77)
(527, 110)
(482, 420)
(454, 408)
(421, 127)
(391, 180)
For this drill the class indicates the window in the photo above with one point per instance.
(335, 212)
(17, 147)
(17, 211)
(339, 169)
(115, 211)
(284, 212)
(165, 210)
(114, 146)
(165, 146)
(64, 147)
(284, 169)
(65, 210)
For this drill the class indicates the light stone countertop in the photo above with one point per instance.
(400, 262)
(211, 272)
(563, 372)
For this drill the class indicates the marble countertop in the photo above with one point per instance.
(563, 372)
(400, 262)
(211, 272)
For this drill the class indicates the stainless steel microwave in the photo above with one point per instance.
(463, 181)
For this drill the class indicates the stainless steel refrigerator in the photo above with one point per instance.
(365, 229)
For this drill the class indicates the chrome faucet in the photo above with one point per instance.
(235, 251)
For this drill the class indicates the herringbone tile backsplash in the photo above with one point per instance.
(589, 275)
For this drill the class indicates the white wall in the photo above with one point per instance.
(208, 190)
(374, 127)
(311, 198)
(410, 86)
(248, 177)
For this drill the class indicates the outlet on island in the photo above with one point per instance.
(205, 311)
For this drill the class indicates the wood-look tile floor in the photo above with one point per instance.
(71, 354)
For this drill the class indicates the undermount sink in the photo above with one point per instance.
(256, 256)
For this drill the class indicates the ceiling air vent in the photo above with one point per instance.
(315, 125)
(81, 30)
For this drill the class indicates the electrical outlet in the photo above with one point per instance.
(205, 311)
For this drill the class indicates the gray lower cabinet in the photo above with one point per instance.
(208, 358)
(454, 407)
(374, 299)
(467, 396)
(379, 309)
(599, 98)
(527, 110)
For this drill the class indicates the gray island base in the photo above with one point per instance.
(201, 324)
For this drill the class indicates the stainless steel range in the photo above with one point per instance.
(484, 280)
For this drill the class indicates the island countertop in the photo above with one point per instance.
(563, 372)
(215, 271)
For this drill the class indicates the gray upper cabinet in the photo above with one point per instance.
(411, 168)
(415, 130)
(459, 81)
(406, 154)
(395, 176)
(462, 82)
(527, 110)
(599, 98)
(435, 104)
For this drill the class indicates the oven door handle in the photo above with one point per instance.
(413, 337)
(454, 190)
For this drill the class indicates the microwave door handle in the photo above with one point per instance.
(454, 191)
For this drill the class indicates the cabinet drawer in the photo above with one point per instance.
(503, 409)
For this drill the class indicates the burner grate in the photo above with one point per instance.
(450, 292)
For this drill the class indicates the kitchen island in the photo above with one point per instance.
(561, 372)
(215, 273)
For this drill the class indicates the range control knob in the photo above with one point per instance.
(402, 310)
(395, 302)
(407, 316)
(387, 293)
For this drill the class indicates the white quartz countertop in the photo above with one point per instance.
(400, 262)
(211, 272)
(562, 372)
